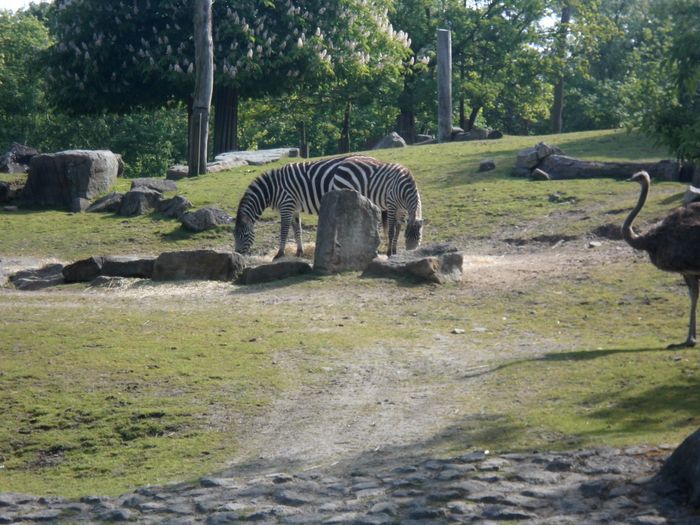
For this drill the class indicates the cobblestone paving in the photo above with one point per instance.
(590, 486)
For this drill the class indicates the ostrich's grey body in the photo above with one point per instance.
(673, 245)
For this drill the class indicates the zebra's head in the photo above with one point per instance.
(414, 233)
(243, 235)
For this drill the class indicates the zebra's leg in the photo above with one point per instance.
(385, 227)
(286, 215)
(296, 226)
(393, 235)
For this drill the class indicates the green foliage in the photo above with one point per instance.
(22, 104)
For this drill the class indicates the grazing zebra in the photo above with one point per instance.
(298, 187)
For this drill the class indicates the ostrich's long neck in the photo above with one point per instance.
(628, 234)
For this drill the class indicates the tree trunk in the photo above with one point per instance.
(462, 114)
(344, 142)
(558, 104)
(406, 124)
(225, 119)
(204, 85)
(303, 145)
(444, 75)
(472, 118)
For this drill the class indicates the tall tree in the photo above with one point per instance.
(138, 53)
(560, 52)
(203, 87)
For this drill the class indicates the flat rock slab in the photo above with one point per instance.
(161, 185)
(276, 271)
(88, 269)
(37, 279)
(259, 157)
(199, 265)
(438, 263)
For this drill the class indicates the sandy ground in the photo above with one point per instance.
(382, 400)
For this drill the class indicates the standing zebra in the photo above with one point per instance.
(298, 187)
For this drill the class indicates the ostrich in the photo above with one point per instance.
(673, 246)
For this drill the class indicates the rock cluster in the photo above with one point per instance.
(545, 162)
(394, 140)
(17, 158)
(587, 486)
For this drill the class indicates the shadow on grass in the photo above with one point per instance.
(581, 355)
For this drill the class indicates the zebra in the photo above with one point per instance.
(298, 187)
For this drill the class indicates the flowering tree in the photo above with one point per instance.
(116, 56)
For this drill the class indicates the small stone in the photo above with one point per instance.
(487, 165)
(539, 175)
(384, 507)
(458, 330)
(648, 520)
(503, 513)
(595, 244)
(290, 497)
(217, 482)
(42, 515)
(473, 457)
(116, 515)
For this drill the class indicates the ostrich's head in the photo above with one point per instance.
(243, 235)
(414, 233)
(642, 177)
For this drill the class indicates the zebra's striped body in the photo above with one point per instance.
(299, 187)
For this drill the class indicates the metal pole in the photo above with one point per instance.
(444, 81)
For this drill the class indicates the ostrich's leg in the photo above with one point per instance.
(692, 282)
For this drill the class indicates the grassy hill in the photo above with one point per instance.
(563, 345)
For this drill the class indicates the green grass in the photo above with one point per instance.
(102, 392)
(458, 201)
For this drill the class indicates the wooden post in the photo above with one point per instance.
(203, 88)
(444, 81)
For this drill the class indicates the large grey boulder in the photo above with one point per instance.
(392, 140)
(198, 264)
(139, 201)
(348, 232)
(68, 179)
(275, 271)
(206, 218)
(438, 263)
(37, 279)
(682, 469)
